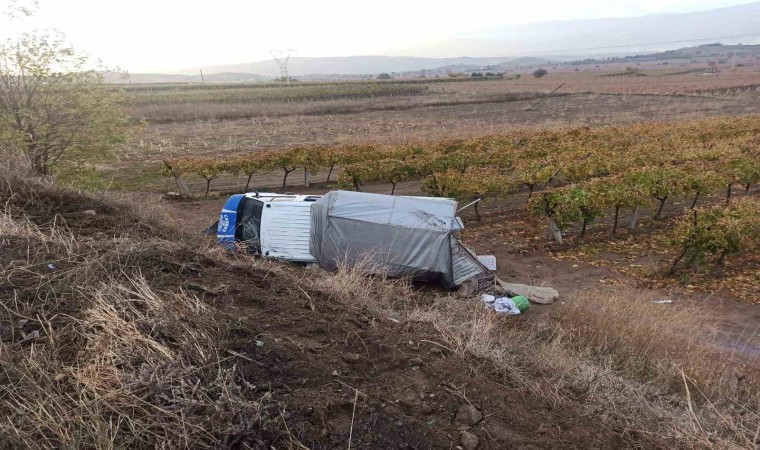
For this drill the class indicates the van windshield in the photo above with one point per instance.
(249, 224)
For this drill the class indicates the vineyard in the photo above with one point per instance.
(573, 177)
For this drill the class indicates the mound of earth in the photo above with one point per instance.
(297, 367)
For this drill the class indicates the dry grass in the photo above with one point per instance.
(94, 353)
(652, 371)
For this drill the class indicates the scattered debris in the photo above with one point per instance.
(488, 260)
(89, 212)
(521, 302)
(506, 305)
(52, 267)
(540, 295)
(660, 302)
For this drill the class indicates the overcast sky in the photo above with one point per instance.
(161, 35)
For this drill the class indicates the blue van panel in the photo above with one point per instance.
(225, 230)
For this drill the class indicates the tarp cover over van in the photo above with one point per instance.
(393, 235)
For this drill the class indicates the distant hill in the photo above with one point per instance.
(585, 38)
(695, 52)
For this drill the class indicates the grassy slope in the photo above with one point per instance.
(141, 336)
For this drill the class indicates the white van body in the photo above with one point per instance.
(272, 225)
(285, 225)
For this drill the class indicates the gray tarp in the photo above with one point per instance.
(393, 235)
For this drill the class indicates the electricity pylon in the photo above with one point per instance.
(282, 57)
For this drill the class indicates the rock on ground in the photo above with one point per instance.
(467, 416)
(469, 441)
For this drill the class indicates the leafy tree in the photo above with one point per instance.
(354, 174)
(534, 174)
(589, 205)
(470, 185)
(52, 108)
(332, 157)
(555, 206)
(745, 170)
(384, 76)
(540, 73)
(288, 161)
(567, 205)
(394, 171)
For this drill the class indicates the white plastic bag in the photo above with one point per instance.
(505, 305)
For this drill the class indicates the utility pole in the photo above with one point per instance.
(203, 80)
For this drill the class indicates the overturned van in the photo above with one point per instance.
(396, 236)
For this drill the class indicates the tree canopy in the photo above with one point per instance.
(53, 106)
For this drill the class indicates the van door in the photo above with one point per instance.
(285, 231)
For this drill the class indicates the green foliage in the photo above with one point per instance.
(722, 230)
(540, 73)
(618, 192)
(567, 205)
(468, 185)
(745, 170)
(556, 206)
(658, 182)
(52, 109)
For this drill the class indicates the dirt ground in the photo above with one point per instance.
(527, 255)
(409, 386)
